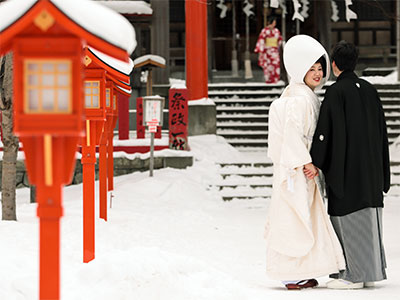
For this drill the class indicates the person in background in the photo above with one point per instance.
(350, 146)
(267, 47)
(301, 242)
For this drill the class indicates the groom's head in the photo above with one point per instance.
(345, 56)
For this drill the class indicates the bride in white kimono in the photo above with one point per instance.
(301, 242)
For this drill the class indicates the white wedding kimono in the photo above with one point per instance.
(301, 242)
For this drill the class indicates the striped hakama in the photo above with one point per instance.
(360, 234)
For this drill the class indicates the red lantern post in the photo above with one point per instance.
(118, 92)
(95, 111)
(114, 72)
(46, 38)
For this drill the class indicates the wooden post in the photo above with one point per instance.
(49, 212)
(123, 117)
(234, 61)
(88, 165)
(110, 161)
(398, 40)
(103, 175)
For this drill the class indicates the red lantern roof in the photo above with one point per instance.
(96, 24)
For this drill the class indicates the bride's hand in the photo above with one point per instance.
(310, 171)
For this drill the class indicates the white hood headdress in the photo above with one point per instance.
(299, 54)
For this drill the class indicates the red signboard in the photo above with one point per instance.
(178, 119)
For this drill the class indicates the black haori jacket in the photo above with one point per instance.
(350, 146)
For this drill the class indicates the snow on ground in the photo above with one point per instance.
(169, 238)
(395, 150)
(388, 79)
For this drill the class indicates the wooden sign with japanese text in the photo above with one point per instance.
(178, 119)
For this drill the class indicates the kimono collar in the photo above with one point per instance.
(347, 74)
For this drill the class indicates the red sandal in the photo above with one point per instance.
(302, 284)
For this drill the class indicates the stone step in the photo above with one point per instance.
(275, 93)
(247, 164)
(235, 108)
(245, 93)
(268, 100)
(240, 124)
(262, 85)
(259, 139)
(247, 86)
(244, 193)
(246, 197)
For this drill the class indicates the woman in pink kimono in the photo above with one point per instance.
(267, 48)
(301, 242)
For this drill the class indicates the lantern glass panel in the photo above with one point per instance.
(88, 101)
(33, 67)
(62, 80)
(92, 94)
(48, 80)
(48, 86)
(33, 101)
(33, 79)
(48, 67)
(108, 102)
(95, 100)
(62, 97)
(48, 99)
(62, 67)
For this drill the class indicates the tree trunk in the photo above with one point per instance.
(10, 142)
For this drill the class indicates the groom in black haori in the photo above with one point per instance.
(350, 146)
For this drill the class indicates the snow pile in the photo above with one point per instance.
(97, 19)
(129, 7)
(169, 237)
(11, 11)
(391, 78)
(177, 83)
(101, 21)
(121, 66)
(155, 58)
(395, 150)
(202, 101)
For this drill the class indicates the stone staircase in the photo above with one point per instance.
(242, 111)
(253, 180)
(242, 119)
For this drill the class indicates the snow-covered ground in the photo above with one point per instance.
(170, 238)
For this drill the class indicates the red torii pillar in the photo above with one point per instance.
(196, 49)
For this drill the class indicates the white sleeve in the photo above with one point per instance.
(294, 152)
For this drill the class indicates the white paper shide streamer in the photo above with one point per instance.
(335, 11)
(247, 8)
(221, 5)
(297, 14)
(349, 13)
(274, 3)
(304, 10)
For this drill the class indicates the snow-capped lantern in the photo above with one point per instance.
(47, 38)
(102, 71)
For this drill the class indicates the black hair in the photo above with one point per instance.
(271, 19)
(345, 56)
(322, 61)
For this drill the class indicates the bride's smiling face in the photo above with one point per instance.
(314, 76)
